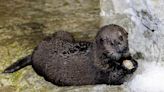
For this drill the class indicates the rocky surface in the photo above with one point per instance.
(24, 23)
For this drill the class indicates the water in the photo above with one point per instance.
(150, 80)
(143, 19)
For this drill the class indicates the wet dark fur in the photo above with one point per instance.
(64, 62)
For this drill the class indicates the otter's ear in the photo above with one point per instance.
(119, 28)
(125, 32)
(103, 28)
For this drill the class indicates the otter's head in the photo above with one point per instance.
(112, 41)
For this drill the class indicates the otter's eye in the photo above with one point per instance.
(121, 38)
(112, 43)
(116, 43)
(101, 41)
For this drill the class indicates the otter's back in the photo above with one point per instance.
(63, 62)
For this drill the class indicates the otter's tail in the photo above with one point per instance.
(18, 65)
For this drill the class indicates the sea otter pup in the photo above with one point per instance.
(65, 62)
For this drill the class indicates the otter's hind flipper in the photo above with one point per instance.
(18, 65)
